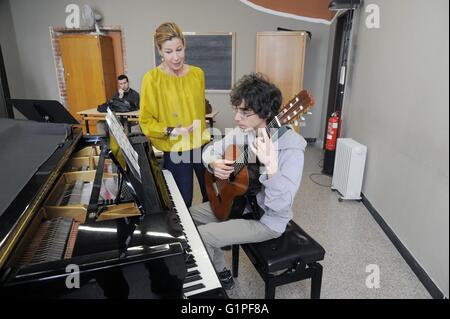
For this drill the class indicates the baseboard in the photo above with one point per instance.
(429, 285)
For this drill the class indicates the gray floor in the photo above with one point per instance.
(352, 240)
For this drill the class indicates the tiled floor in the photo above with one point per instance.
(352, 240)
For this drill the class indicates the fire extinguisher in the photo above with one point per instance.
(332, 131)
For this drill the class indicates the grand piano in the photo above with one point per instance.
(63, 234)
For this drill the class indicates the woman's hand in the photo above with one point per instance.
(264, 149)
(222, 168)
(180, 130)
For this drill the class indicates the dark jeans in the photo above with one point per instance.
(182, 165)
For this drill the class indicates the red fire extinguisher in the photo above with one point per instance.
(332, 131)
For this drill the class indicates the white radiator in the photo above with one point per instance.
(349, 168)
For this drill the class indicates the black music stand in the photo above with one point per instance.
(50, 111)
(136, 184)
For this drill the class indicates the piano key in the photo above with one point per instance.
(191, 265)
(204, 266)
(192, 273)
(198, 287)
(193, 278)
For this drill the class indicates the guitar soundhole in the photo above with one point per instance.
(232, 177)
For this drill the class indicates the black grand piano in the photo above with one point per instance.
(76, 223)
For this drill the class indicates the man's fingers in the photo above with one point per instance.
(226, 168)
(252, 147)
(265, 135)
(228, 162)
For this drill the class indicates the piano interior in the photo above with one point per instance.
(53, 233)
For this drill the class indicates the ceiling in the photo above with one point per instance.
(308, 10)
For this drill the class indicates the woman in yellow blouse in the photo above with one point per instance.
(172, 113)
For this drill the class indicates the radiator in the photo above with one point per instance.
(349, 168)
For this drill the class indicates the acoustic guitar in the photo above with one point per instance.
(227, 196)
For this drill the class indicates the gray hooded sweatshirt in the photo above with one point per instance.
(277, 192)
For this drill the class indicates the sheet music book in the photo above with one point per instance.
(117, 130)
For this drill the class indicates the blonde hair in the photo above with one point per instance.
(167, 31)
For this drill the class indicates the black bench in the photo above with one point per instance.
(291, 257)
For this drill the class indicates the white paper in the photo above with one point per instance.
(117, 130)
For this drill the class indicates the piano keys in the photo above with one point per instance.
(201, 277)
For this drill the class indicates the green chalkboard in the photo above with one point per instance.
(214, 53)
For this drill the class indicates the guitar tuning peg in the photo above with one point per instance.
(309, 113)
(303, 119)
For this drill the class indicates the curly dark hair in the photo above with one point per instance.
(259, 95)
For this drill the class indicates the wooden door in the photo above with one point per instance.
(89, 71)
(281, 56)
(108, 67)
(116, 36)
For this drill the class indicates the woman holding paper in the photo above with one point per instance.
(172, 113)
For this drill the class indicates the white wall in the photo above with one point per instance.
(139, 18)
(10, 51)
(396, 103)
(326, 87)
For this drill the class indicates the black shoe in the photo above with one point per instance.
(226, 278)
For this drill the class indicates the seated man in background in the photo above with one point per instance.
(127, 95)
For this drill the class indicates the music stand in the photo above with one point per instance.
(50, 111)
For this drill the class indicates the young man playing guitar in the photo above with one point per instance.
(256, 102)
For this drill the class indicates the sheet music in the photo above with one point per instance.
(128, 151)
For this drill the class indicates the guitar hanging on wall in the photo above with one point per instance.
(223, 195)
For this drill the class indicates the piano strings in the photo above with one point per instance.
(79, 192)
(54, 240)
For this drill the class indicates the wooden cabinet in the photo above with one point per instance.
(281, 56)
(89, 71)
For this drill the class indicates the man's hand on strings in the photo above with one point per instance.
(264, 149)
(222, 168)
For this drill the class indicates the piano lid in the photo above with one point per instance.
(24, 147)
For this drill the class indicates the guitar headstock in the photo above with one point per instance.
(296, 107)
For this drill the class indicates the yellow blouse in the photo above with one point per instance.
(168, 101)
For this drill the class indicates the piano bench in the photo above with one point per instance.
(291, 257)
